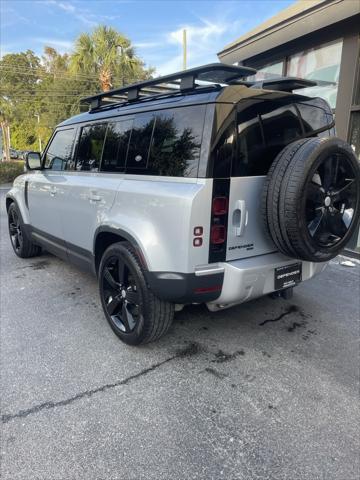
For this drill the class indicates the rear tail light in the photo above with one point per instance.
(218, 234)
(219, 219)
(220, 206)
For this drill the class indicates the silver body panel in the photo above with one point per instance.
(250, 278)
(246, 234)
(160, 213)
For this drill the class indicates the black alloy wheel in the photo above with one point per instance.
(311, 198)
(331, 198)
(21, 241)
(134, 313)
(15, 231)
(121, 294)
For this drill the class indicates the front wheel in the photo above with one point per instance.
(21, 243)
(134, 313)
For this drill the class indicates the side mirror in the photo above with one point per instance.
(33, 161)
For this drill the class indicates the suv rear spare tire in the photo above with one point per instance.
(311, 198)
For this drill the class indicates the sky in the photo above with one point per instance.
(154, 27)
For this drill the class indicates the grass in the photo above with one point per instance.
(10, 170)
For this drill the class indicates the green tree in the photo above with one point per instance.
(20, 76)
(107, 54)
(38, 93)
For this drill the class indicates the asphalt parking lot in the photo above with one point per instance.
(267, 390)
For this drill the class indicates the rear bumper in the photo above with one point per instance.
(183, 288)
(251, 278)
(223, 284)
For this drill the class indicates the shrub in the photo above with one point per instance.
(10, 170)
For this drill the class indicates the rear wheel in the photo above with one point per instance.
(21, 243)
(134, 313)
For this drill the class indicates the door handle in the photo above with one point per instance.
(53, 191)
(240, 217)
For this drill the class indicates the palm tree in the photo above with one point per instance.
(108, 55)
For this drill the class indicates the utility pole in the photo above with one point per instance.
(184, 49)
(5, 132)
(38, 121)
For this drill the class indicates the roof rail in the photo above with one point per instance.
(185, 81)
(284, 84)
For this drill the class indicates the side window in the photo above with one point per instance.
(263, 131)
(141, 135)
(281, 126)
(313, 117)
(116, 145)
(90, 147)
(58, 155)
(175, 148)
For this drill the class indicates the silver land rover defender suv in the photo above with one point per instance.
(196, 187)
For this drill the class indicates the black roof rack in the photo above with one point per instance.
(185, 81)
(285, 84)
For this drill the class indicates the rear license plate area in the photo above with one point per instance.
(288, 276)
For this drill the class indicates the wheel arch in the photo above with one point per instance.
(9, 201)
(106, 236)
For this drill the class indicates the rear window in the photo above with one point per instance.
(313, 117)
(262, 130)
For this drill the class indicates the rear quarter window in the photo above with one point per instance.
(176, 143)
(160, 143)
(265, 127)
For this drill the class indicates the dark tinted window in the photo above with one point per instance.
(223, 152)
(140, 143)
(176, 143)
(116, 145)
(58, 155)
(90, 147)
(264, 129)
(313, 117)
(166, 143)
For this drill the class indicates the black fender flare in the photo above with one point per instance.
(124, 234)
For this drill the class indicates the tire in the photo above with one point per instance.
(311, 198)
(20, 240)
(134, 313)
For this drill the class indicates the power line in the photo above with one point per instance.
(62, 75)
(14, 69)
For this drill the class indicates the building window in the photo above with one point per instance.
(271, 70)
(354, 135)
(321, 64)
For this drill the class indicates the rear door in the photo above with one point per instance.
(262, 128)
(90, 193)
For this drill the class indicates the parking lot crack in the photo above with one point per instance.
(87, 393)
(193, 348)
